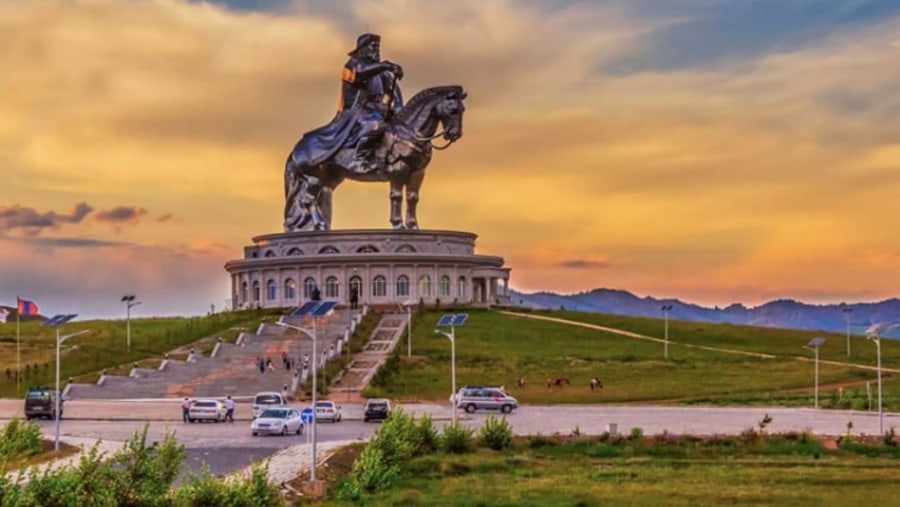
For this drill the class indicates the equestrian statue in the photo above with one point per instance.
(373, 137)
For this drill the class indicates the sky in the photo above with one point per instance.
(715, 151)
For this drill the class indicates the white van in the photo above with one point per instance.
(266, 400)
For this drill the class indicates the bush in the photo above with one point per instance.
(206, 489)
(457, 439)
(370, 474)
(387, 370)
(496, 433)
(20, 439)
(427, 435)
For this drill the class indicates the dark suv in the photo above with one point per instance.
(377, 409)
(41, 402)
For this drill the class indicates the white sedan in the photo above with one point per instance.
(328, 411)
(277, 421)
(206, 410)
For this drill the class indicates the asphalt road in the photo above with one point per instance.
(226, 447)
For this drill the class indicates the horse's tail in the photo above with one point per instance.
(295, 215)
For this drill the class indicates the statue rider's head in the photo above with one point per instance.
(368, 45)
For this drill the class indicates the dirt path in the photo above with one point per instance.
(701, 347)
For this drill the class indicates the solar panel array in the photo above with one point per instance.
(314, 309)
(453, 320)
(816, 342)
(58, 320)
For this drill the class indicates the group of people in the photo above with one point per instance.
(286, 361)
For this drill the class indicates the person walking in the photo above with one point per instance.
(229, 409)
(185, 409)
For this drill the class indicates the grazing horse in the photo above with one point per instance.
(520, 382)
(596, 384)
(558, 382)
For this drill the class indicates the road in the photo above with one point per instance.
(227, 447)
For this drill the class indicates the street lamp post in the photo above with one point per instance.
(874, 333)
(57, 321)
(408, 306)
(453, 321)
(666, 309)
(315, 360)
(129, 300)
(847, 311)
(814, 345)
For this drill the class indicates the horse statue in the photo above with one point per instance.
(400, 159)
(596, 384)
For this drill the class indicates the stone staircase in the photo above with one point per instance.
(231, 369)
(379, 347)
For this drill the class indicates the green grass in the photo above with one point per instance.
(105, 346)
(789, 469)
(495, 349)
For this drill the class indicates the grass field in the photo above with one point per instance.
(493, 348)
(105, 347)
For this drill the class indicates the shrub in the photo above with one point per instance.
(20, 439)
(383, 376)
(427, 435)
(370, 474)
(636, 434)
(496, 433)
(538, 441)
(457, 439)
(145, 472)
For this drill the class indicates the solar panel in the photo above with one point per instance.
(323, 309)
(816, 342)
(446, 320)
(460, 319)
(58, 320)
(305, 309)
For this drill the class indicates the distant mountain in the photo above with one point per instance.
(784, 313)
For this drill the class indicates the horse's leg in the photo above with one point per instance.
(413, 184)
(295, 214)
(396, 196)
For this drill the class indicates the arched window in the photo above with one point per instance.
(461, 288)
(379, 286)
(405, 249)
(269, 253)
(290, 290)
(271, 290)
(402, 285)
(295, 251)
(309, 285)
(329, 250)
(256, 290)
(425, 286)
(444, 286)
(244, 292)
(254, 255)
(332, 289)
(367, 249)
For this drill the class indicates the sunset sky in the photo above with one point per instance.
(715, 151)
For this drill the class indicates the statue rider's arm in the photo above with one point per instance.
(364, 71)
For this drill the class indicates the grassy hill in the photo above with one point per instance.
(708, 363)
(105, 347)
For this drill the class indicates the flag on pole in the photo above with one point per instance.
(27, 308)
(4, 313)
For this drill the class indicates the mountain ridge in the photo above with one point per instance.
(784, 313)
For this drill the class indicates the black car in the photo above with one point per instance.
(377, 409)
(41, 402)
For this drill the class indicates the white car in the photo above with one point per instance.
(328, 411)
(206, 410)
(262, 401)
(277, 421)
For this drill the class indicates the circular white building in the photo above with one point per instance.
(383, 267)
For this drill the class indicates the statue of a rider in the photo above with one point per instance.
(371, 94)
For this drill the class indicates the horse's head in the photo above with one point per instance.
(450, 112)
(440, 105)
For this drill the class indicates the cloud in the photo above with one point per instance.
(33, 222)
(121, 215)
(65, 242)
(584, 264)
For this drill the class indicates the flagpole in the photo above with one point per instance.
(18, 352)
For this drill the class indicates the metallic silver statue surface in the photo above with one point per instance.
(373, 137)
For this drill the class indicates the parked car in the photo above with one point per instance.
(328, 411)
(377, 409)
(486, 398)
(206, 410)
(277, 421)
(265, 400)
(41, 402)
